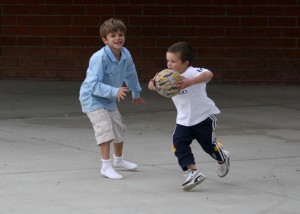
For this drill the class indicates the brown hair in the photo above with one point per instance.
(186, 52)
(112, 25)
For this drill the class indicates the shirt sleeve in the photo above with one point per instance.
(197, 71)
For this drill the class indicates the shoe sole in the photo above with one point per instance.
(191, 186)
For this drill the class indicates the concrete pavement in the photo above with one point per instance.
(49, 161)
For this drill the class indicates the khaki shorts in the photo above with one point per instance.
(108, 125)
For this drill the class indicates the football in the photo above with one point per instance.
(166, 83)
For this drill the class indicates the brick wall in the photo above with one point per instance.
(254, 41)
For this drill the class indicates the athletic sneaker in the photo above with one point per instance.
(194, 177)
(224, 167)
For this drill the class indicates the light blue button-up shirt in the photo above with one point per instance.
(105, 75)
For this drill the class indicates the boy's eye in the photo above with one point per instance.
(116, 34)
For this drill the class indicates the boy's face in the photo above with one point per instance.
(115, 40)
(174, 62)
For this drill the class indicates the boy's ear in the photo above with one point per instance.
(186, 63)
(104, 40)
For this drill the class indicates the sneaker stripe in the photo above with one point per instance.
(192, 177)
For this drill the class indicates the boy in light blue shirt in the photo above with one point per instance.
(108, 69)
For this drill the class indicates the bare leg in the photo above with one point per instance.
(105, 150)
(192, 167)
(118, 149)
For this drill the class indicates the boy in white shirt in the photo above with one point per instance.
(195, 115)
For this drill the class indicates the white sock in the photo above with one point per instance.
(120, 162)
(108, 171)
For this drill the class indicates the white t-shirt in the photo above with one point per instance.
(192, 104)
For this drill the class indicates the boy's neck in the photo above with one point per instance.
(117, 53)
(184, 70)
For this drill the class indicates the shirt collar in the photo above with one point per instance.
(111, 54)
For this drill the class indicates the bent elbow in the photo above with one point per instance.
(210, 75)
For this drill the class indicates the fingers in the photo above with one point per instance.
(151, 85)
(124, 89)
(153, 88)
(181, 85)
(122, 93)
(184, 83)
(121, 96)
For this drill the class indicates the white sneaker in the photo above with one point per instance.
(119, 162)
(194, 177)
(224, 167)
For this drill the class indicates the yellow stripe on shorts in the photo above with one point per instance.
(173, 148)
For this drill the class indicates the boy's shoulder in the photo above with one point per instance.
(126, 51)
(98, 53)
(198, 70)
(193, 71)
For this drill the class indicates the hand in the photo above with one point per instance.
(122, 93)
(151, 85)
(139, 101)
(184, 83)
